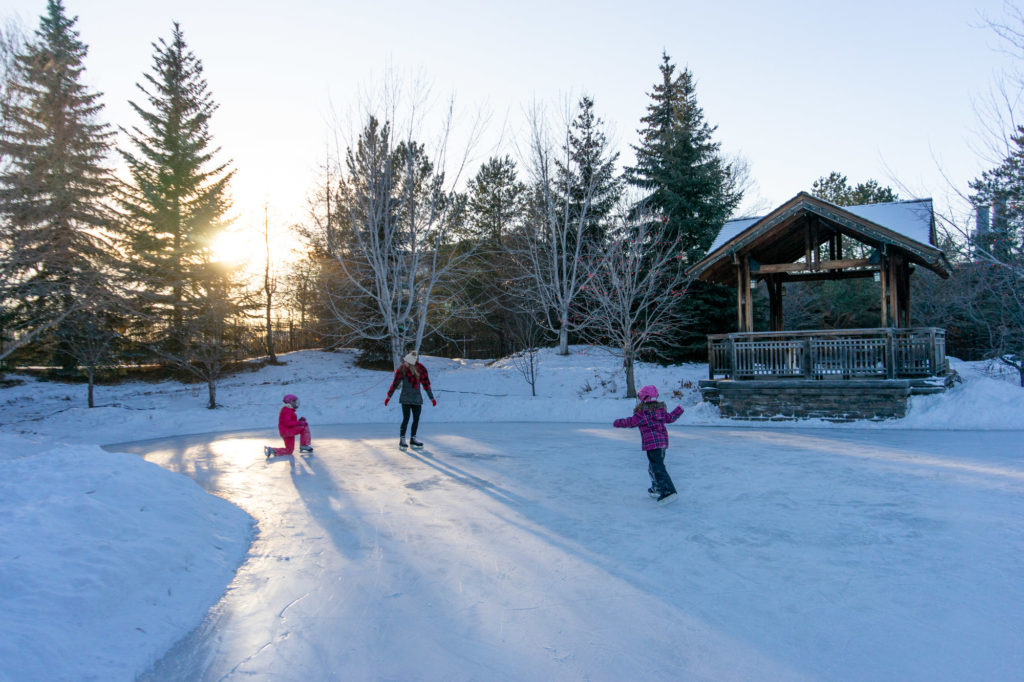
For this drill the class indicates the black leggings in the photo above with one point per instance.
(414, 410)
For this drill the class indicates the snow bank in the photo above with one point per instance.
(105, 560)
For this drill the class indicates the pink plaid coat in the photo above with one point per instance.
(651, 417)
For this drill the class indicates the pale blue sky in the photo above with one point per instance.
(874, 89)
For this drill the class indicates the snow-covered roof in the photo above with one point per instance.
(904, 225)
(912, 219)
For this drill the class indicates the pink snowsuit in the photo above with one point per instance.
(289, 426)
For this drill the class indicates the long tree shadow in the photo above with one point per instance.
(326, 503)
(463, 477)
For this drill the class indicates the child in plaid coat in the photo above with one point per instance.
(650, 415)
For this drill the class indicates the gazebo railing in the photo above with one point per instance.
(829, 354)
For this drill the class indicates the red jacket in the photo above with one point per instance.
(410, 382)
(288, 424)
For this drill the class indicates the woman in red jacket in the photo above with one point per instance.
(411, 375)
(289, 426)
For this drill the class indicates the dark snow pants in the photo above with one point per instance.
(660, 480)
(414, 410)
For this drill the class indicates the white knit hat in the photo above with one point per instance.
(412, 358)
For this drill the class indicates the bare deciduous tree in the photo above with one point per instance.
(551, 249)
(397, 259)
(269, 287)
(632, 292)
(528, 335)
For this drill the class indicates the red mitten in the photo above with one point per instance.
(433, 402)
(386, 401)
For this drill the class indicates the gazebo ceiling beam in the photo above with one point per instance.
(824, 275)
(840, 264)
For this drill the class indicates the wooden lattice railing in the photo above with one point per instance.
(829, 354)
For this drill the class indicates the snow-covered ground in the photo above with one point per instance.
(520, 544)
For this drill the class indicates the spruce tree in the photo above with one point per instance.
(54, 185)
(177, 196)
(680, 167)
(689, 193)
(586, 182)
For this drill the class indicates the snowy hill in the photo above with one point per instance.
(106, 560)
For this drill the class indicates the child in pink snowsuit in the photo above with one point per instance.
(289, 426)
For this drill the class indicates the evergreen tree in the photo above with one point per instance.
(836, 188)
(586, 182)
(1001, 189)
(54, 184)
(177, 197)
(680, 168)
(496, 203)
(689, 193)
(998, 304)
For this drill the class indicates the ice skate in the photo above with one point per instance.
(402, 444)
(653, 493)
(668, 498)
(306, 449)
(269, 452)
(415, 443)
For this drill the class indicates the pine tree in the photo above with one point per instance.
(689, 193)
(679, 166)
(1001, 189)
(178, 195)
(54, 184)
(586, 183)
(999, 302)
(496, 203)
(836, 188)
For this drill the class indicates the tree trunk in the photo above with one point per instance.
(627, 364)
(563, 340)
(91, 373)
(271, 356)
(211, 386)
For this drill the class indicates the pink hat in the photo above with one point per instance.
(647, 393)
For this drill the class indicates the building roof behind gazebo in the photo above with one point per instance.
(906, 225)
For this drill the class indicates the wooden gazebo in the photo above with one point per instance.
(802, 240)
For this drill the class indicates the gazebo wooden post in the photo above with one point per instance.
(883, 279)
(774, 285)
(894, 300)
(744, 312)
(748, 297)
(739, 296)
(905, 290)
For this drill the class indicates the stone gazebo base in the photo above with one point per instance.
(838, 400)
